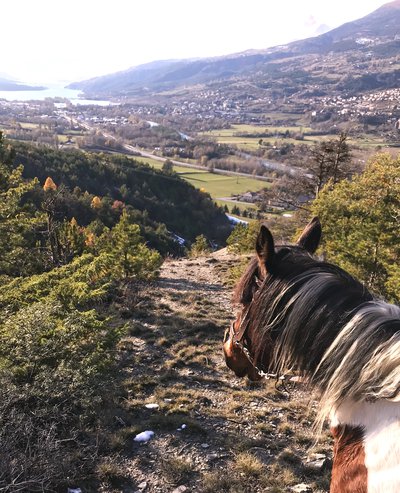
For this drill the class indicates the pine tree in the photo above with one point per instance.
(360, 219)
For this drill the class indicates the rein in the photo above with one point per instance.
(238, 339)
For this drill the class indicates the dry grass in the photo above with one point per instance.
(239, 437)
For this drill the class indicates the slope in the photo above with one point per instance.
(212, 431)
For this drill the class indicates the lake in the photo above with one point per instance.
(51, 92)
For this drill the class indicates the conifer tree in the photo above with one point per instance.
(360, 220)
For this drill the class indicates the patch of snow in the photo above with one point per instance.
(152, 406)
(144, 437)
(236, 220)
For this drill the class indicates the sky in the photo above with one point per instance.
(51, 41)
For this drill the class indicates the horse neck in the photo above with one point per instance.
(367, 447)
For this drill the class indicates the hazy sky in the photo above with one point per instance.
(54, 40)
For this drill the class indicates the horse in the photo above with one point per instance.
(304, 314)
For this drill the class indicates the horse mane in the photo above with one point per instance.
(327, 325)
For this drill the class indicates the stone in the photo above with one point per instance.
(180, 489)
(317, 462)
(301, 488)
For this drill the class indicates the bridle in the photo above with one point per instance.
(238, 338)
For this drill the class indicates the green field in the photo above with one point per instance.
(154, 163)
(229, 135)
(221, 185)
(235, 129)
(215, 184)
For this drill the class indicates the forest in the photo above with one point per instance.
(77, 232)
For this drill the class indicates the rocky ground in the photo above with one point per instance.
(212, 432)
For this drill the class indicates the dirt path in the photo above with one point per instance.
(212, 431)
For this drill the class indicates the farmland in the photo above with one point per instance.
(217, 185)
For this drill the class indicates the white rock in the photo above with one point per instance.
(204, 445)
(74, 490)
(302, 488)
(152, 406)
(145, 436)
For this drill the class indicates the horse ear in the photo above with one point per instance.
(265, 249)
(311, 236)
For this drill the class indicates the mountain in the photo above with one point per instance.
(11, 85)
(354, 49)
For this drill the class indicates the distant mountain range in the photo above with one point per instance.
(11, 85)
(359, 55)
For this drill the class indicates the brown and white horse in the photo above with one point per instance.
(304, 314)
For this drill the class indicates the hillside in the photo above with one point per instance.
(367, 46)
(164, 204)
(212, 431)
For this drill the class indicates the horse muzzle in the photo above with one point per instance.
(237, 361)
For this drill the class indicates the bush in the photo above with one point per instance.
(200, 247)
(54, 370)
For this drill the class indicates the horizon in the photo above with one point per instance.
(88, 39)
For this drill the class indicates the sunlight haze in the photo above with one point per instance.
(48, 41)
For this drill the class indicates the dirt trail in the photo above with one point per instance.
(212, 431)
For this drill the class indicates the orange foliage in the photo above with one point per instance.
(49, 184)
(96, 202)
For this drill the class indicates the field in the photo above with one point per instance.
(221, 185)
(218, 186)
(230, 136)
(366, 143)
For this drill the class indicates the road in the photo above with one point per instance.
(145, 153)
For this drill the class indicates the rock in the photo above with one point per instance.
(142, 486)
(204, 445)
(317, 462)
(144, 437)
(180, 489)
(152, 406)
(301, 488)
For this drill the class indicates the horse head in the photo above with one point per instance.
(271, 264)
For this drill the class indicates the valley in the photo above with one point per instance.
(129, 213)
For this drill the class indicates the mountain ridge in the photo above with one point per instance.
(377, 28)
